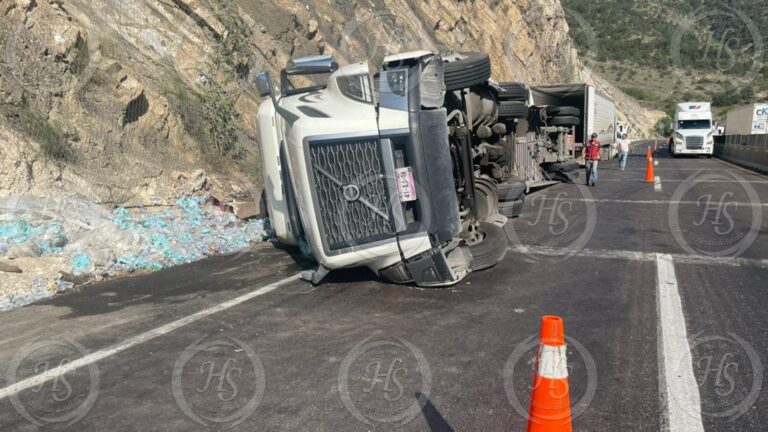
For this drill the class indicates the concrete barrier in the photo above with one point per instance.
(750, 151)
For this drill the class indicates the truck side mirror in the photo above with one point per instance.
(312, 65)
(264, 84)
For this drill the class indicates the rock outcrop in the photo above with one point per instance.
(108, 99)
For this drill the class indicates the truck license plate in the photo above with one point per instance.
(406, 186)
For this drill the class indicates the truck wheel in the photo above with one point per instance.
(564, 121)
(467, 70)
(563, 167)
(491, 249)
(512, 91)
(486, 199)
(511, 189)
(512, 209)
(513, 109)
(567, 177)
(562, 111)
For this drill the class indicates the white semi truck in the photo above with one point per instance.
(693, 130)
(411, 169)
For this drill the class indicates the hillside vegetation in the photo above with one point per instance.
(665, 51)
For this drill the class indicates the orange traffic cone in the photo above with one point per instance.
(550, 409)
(649, 178)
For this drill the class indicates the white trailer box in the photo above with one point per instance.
(748, 120)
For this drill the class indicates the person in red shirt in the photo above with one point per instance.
(591, 157)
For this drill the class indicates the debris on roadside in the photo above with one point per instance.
(90, 241)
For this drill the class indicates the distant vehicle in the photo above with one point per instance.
(748, 120)
(692, 130)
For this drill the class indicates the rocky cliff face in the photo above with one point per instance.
(117, 99)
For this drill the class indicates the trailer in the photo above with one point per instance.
(598, 111)
(748, 120)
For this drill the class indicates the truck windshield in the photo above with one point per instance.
(694, 124)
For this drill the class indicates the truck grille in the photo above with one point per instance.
(350, 192)
(694, 142)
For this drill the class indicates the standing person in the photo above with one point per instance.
(591, 157)
(625, 146)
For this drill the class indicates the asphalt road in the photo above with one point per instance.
(662, 289)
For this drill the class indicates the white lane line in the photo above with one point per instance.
(657, 184)
(697, 181)
(678, 383)
(659, 202)
(639, 256)
(96, 356)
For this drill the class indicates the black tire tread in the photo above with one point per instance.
(491, 250)
(512, 209)
(468, 72)
(563, 111)
(564, 121)
(513, 109)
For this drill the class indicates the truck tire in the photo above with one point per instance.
(562, 111)
(492, 249)
(512, 209)
(564, 121)
(486, 198)
(467, 71)
(511, 189)
(567, 177)
(563, 167)
(512, 91)
(513, 109)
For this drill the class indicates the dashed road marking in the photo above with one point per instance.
(657, 184)
(639, 256)
(677, 381)
(96, 356)
(654, 202)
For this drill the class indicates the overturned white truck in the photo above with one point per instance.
(407, 170)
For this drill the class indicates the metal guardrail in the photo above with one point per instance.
(750, 151)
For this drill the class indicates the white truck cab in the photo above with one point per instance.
(693, 129)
